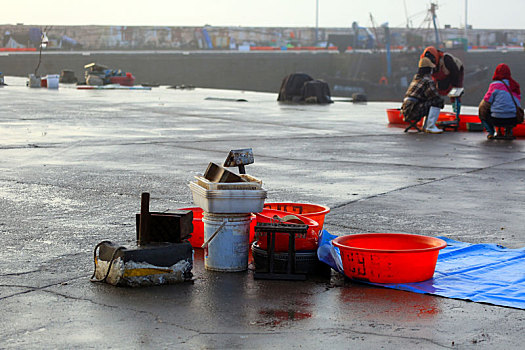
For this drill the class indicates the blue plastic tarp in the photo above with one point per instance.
(485, 273)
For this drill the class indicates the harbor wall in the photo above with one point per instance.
(261, 71)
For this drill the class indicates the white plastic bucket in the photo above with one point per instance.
(228, 201)
(52, 81)
(228, 250)
(34, 81)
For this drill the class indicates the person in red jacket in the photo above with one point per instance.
(449, 70)
(448, 74)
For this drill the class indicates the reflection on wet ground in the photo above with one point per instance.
(387, 304)
(281, 303)
(276, 317)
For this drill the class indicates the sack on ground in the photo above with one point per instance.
(484, 110)
(519, 115)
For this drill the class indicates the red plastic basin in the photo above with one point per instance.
(389, 257)
(197, 237)
(281, 239)
(312, 211)
(315, 212)
(128, 80)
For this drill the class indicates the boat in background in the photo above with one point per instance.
(97, 75)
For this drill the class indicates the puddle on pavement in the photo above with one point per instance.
(383, 303)
(273, 317)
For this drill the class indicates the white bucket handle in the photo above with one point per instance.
(214, 234)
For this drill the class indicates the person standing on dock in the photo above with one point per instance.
(449, 70)
(422, 98)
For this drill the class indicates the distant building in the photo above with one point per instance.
(234, 38)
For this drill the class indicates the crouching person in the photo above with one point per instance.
(422, 98)
(500, 105)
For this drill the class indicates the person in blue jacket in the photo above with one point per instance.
(500, 102)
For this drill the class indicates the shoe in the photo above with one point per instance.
(430, 122)
(433, 130)
(508, 133)
(490, 137)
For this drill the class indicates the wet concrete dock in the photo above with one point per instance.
(73, 164)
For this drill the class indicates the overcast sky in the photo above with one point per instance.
(492, 14)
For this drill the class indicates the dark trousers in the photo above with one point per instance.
(490, 123)
(415, 110)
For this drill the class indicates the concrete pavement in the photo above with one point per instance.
(73, 164)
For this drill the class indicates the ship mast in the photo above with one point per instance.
(406, 14)
(466, 20)
(316, 21)
(433, 7)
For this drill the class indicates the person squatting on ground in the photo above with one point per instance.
(499, 105)
(422, 98)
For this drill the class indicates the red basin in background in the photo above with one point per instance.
(394, 117)
(127, 80)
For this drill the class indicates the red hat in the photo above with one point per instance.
(431, 53)
(503, 72)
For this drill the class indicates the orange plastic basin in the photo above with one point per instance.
(389, 257)
(395, 117)
(315, 212)
(281, 239)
